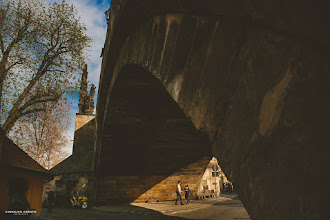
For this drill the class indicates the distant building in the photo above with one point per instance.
(213, 181)
(15, 163)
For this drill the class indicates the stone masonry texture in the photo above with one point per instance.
(251, 75)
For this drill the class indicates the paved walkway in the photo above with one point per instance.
(226, 207)
(166, 208)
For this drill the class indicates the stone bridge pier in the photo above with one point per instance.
(244, 81)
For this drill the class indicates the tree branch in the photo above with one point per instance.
(15, 109)
(13, 118)
(1, 44)
(33, 111)
(14, 64)
(5, 52)
(32, 102)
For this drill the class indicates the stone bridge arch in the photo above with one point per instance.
(148, 143)
(251, 78)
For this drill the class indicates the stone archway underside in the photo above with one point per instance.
(148, 143)
(253, 76)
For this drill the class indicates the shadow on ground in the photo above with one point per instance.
(75, 214)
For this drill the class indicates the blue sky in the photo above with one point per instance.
(91, 13)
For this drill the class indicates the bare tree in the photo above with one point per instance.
(41, 48)
(43, 135)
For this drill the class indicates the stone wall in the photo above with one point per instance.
(118, 189)
(65, 185)
(84, 134)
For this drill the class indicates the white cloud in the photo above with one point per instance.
(93, 17)
(91, 13)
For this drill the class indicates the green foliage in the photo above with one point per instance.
(41, 50)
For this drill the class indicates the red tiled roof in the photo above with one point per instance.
(11, 154)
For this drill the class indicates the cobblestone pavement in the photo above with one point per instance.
(228, 210)
(169, 208)
(227, 207)
(75, 214)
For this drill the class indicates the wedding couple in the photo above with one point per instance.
(179, 191)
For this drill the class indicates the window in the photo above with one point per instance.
(215, 171)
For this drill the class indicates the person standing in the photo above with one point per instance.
(187, 192)
(17, 189)
(178, 193)
(50, 201)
